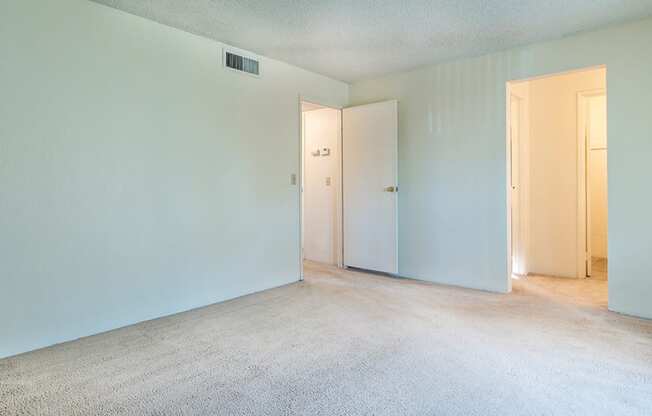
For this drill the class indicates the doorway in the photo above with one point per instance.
(321, 184)
(557, 175)
(349, 185)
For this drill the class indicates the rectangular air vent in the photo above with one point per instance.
(242, 62)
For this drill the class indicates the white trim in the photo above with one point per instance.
(339, 200)
(508, 181)
(398, 186)
(521, 211)
(555, 74)
(300, 187)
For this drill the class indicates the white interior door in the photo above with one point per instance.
(370, 171)
(517, 244)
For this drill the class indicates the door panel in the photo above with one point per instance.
(515, 150)
(370, 159)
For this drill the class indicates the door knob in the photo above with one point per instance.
(391, 189)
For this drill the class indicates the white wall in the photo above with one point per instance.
(553, 166)
(138, 178)
(452, 154)
(321, 130)
(598, 175)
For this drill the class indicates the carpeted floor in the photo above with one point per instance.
(599, 266)
(347, 343)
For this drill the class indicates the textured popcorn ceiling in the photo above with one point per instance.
(355, 39)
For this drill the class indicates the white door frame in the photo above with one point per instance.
(338, 179)
(508, 182)
(581, 240)
(583, 188)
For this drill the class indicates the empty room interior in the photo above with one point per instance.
(321, 207)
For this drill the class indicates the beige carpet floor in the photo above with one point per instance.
(348, 343)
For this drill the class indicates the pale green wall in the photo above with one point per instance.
(137, 177)
(452, 160)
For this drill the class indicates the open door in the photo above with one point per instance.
(515, 181)
(370, 186)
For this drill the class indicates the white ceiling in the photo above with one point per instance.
(354, 39)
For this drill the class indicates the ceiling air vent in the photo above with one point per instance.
(242, 62)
